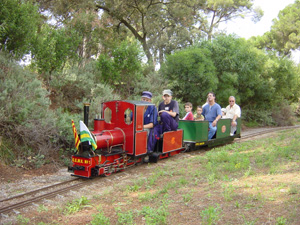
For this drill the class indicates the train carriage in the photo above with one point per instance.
(196, 133)
(121, 140)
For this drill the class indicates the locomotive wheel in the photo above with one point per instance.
(107, 173)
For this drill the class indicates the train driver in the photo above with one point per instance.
(150, 114)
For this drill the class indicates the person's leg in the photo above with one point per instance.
(154, 135)
(212, 131)
(233, 129)
(168, 121)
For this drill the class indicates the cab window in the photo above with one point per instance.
(107, 115)
(128, 116)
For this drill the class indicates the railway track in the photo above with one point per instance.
(27, 199)
(264, 131)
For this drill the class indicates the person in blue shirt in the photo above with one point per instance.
(212, 113)
(150, 114)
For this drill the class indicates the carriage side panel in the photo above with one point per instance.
(194, 131)
(223, 128)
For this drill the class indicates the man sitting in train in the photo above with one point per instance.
(212, 113)
(233, 111)
(150, 114)
(168, 110)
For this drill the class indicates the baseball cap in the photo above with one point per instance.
(167, 92)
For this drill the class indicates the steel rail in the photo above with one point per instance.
(38, 198)
(265, 131)
(38, 190)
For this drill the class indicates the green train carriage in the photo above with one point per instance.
(195, 133)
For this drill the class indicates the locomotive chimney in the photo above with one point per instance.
(86, 113)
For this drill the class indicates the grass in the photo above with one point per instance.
(255, 182)
(77, 205)
(211, 215)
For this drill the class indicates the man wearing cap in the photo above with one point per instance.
(150, 115)
(168, 111)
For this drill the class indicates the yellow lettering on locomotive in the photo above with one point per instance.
(200, 143)
(76, 160)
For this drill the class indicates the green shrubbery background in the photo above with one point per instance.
(35, 120)
(84, 53)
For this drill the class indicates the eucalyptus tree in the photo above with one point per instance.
(155, 24)
(161, 26)
(210, 13)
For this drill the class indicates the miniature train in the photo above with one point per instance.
(122, 141)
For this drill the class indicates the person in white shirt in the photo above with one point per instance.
(233, 111)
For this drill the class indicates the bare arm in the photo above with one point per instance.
(214, 123)
(149, 125)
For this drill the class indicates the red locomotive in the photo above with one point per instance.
(121, 141)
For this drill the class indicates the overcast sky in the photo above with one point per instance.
(247, 28)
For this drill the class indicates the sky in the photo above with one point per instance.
(246, 28)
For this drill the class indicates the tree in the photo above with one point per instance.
(19, 21)
(191, 74)
(232, 66)
(121, 68)
(240, 70)
(284, 35)
(213, 12)
(285, 76)
(53, 48)
(161, 26)
(147, 20)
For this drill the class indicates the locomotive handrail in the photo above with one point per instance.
(124, 135)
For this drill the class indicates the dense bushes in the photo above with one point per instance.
(232, 66)
(30, 131)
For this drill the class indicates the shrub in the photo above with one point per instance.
(259, 117)
(283, 114)
(29, 127)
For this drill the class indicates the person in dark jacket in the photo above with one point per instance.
(168, 110)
